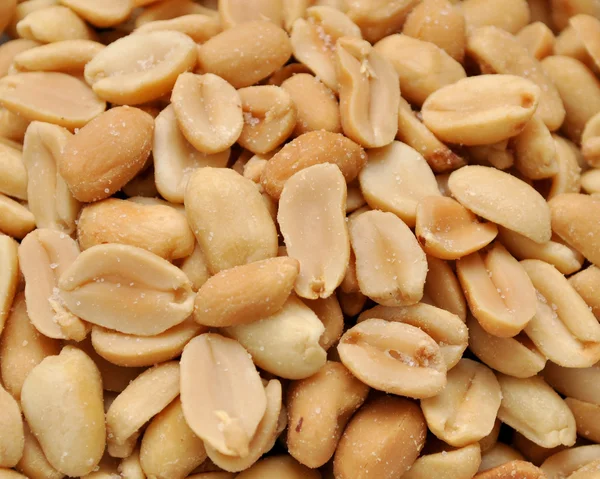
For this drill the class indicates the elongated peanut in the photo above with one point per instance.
(538, 39)
(274, 467)
(380, 18)
(66, 56)
(511, 16)
(13, 440)
(9, 276)
(442, 288)
(199, 27)
(586, 283)
(564, 463)
(53, 24)
(13, 179)
(33, 463)
(15, 219)
(535, 151)
(10, 49)
(455, 463)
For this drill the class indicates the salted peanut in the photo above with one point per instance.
(195, 267)
(285, 343)
(537, 38)
(535, 151)
(314, 40)
(22, 10)
(329, 311)
(198, 27)
(108, 152)
(590, 141)
(586, 284)
(452, 464)
(465, 411)
(489, 441)
(169, 448)
(590, 181)
(442, 288)
(157, 228)
(54, 24)
(502, 199)
(274, 467)
(395, 179)
(312, 218)
(434, 70)
(394, 357)
(9, 276)
(445, 328)
(515, 468)
(286, 72)
(246, 293)
(208, 111)
(457, 114)
(66, 386)
(498, 455)
(264, 438)
(497, 155)
(102, 15)
(234, 12)
(572, 220)
(11, 474)
(44, 255)
(49, 197)
(351, 303)
(533, 408)
(589, 469)
(369, 93)
(517, 356)
(13, 439)
(312, 148)
(568, 177)
(261, 49)
(142, 67)
(237, 227)
(13, 175)
(564, 463)
(33, 462)
(233, 405)
(127, 289)
(22, 348)
(532, 452)
(64, 56)
(15, 219)
(219, 475)
(130, 467)
(511, 16)
(169, 9)
(10, 49)
(447, 230)
(130, 350)
(577, 383)
(586, 35)
(581, 103)
(382, 440)
(438, 22)
(499, 292)
(175, 158)
(43, 96)
(563, 10)
(13, 127)
(587, 416)
(142, 399)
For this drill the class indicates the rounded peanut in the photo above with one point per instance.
(510, 16)
(54, 24)
(275, 467)
(68, 56)
(12, 440)
(442, 288)
(101, 14)
(455, 463)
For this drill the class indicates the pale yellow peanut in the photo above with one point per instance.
(234, 12)
(218, 373)
(531, 407)
(44, 255)
(329, 311)
(395, 178)
(319, 407)
(51, 97)
(199, 27)
(445, 328)
(208, 111)
(573, 220)
(13, 174)
(254, 167)
(369, 93)
(499, 455)
(499, 292)
(500, 52)
(481, 110)
(579, 90)
(592, 468)
(586, 283)
(355, 198)
(101, 14)
(394, 357)
(489, 441)
(511, 16)
(108, 152)
(49, 197)
(273, 421)
(195, 267)
(130, 467)
(169, 448)
(568, 43)
(141, 67)
(127, 289)
(131, 351)
(33, 463)
(312, 222)
(564, 463)
(229, 218)
(377, 19)
(274, 467)
(535, 152)
(60, 387)
(288, 71)
(11, 474)
(54, 24)
(418, 79)
(532, 452)
(452, 464)
(568, 177)
(175, 158)
(587, 32)
(67, 56)
(314, 40)
(261, 49)
(13, 126)
(287, 343)
(15, 219)
(580, 383)
(502, 199)
(512, 468)
(497, 155)
(590, 141)
(310, 149)
(23, 9)
(442, 288)
(293, 10)
(13, 440)
(587, 416)
(447, 230)
(169, 9)
(245, 293)
(537, 38)
(9, 276)
(416, 135)
(157, 228)
(465, 411)
(107, 469)
(10, 49)
(382, 440)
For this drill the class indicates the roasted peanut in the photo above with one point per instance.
(9, 50)
(274, 467)
(13, 175)
(15, 219)
(442, 288)
(515, 468)
(53, 24)
(590, 141)
(511, 16)
(33, 463)
(166, 10)
(199, 27)
(537, 38)
(564, 463)
(69, 56)
(586, 283)
(568, 177)
(452, 464)
(9, 276)
(378, 19)
(13, 440)
(535, 151)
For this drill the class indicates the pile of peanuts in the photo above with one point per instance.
(300, 239)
